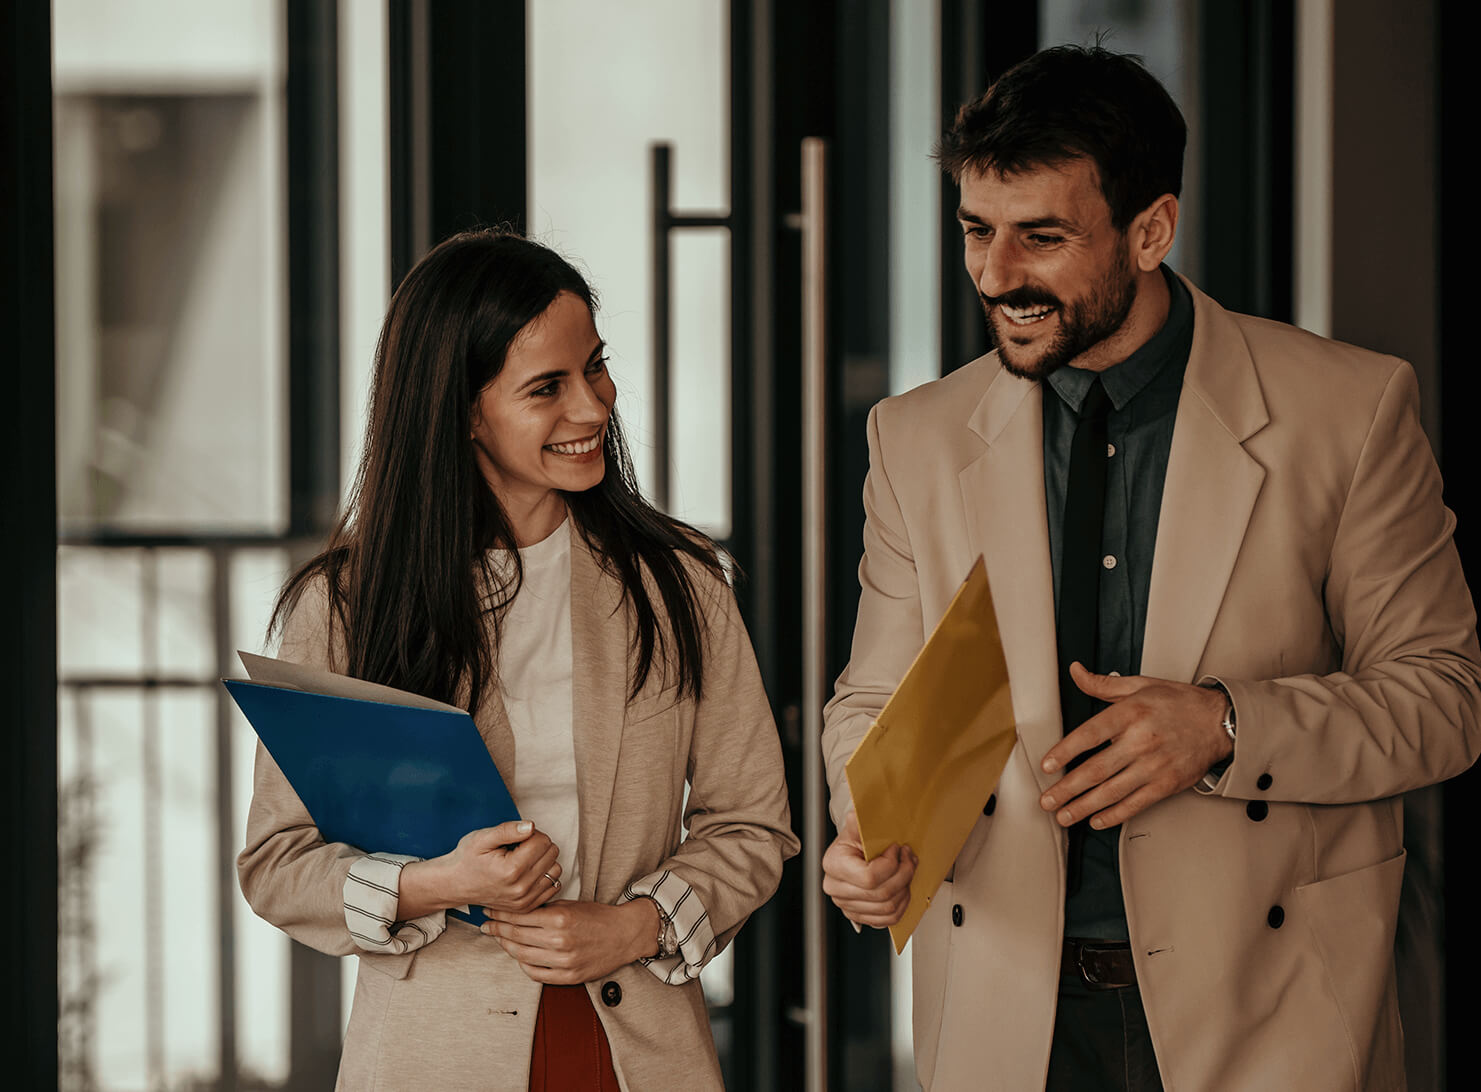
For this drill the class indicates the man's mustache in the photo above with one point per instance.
(1020, 298)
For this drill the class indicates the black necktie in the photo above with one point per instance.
(1078, 624)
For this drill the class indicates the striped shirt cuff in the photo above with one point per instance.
(372, 894)
(697, 945)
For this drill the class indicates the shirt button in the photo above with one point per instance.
(1276, 918)
(1109, 561)
(1110, 451)
(956, 914)
(991, 805)
(611, 994)
(1114, 674)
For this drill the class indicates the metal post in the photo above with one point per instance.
(814, 599)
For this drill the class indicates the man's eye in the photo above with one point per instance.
(976, 231)
(1045, 240)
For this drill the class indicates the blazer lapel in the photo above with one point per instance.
(1209, 493)
(1003, 496)
(599, 664)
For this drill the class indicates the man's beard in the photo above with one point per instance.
(1082, 325)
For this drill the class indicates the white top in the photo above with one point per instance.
(535, 683)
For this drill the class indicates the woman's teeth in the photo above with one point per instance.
(1025, 316)
(582, 447)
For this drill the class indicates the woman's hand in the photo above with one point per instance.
(572, 942)
(510, 867)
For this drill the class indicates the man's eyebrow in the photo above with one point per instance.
(1058, 223)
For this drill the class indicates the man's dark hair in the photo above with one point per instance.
(1075, 102)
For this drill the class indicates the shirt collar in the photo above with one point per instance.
(1124, 381)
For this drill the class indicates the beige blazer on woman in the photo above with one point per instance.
(459, 1013)
(1304, 558)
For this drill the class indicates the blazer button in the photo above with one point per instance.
(1276, 918)
(1264, 781)
(1257, 810)
(991, 805)
(956, 914)
(611, 994)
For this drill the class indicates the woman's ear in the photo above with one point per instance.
(1153, 231)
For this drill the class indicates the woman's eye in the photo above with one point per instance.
(597, 366)
(546, 390)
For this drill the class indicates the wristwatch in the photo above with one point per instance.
(668, 936)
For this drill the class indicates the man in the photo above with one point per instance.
(1235, 625)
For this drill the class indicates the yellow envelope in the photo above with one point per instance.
(922, 775)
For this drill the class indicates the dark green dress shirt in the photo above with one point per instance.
(1143, 390)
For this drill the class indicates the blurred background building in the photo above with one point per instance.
(207, 206)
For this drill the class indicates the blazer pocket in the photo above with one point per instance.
(1351, 918)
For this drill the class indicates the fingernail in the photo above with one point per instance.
(1065, 818)
(1097, 823)
(1050, 765)
(525, 827)
(1046, 802)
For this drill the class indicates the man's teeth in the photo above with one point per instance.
(1023, 316)
(584, 447)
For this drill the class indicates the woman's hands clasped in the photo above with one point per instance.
(511, 868)
(571, 942)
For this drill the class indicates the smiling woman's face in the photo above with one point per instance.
(540, 425)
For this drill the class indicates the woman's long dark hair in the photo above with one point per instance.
(411, 585)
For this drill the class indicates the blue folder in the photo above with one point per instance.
(378, 775)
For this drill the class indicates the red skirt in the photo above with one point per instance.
(571, 1053)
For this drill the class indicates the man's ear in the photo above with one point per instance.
(1152, 233)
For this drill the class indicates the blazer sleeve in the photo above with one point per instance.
(889, 631)
(1403, 710)
(289, 875)
(736, 815)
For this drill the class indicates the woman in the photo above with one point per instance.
(496, 554)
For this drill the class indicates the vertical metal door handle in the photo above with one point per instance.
(814, 600)
(663, 220)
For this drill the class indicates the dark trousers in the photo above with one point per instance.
(1100, 1040)
(570, 1053)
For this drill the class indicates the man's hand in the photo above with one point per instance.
(868, 892)
(1163, 737)
(570, 942)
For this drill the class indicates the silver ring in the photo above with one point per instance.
(552, 879)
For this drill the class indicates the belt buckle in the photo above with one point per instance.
(1089, 969)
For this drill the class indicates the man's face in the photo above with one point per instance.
(1054, 275)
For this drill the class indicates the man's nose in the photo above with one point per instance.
(1002, 268)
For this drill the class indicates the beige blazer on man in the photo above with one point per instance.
(459, 1013)
(1304, 558)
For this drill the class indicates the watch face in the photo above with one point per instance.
(670, 940)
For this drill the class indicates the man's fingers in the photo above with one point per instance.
(1107, 724)
(846, 865)
(1105, 687)
(1129, 808)
(840, 891)
(1097, 797)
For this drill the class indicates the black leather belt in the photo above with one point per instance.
(1103, 964)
